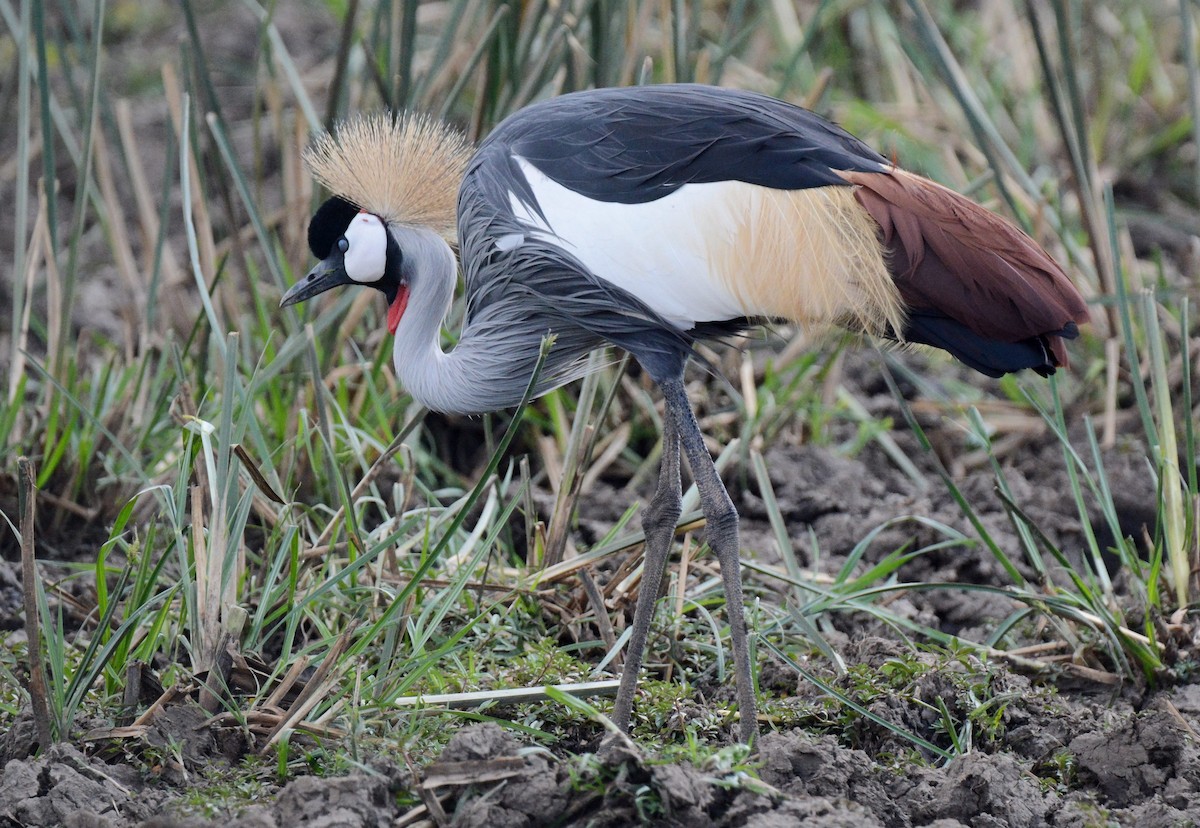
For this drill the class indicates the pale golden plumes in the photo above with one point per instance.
(812, 256)
(406, 170)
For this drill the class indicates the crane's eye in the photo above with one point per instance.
(343, 245)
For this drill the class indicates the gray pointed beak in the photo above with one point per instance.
(328, 274)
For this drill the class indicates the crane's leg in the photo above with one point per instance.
(721, 532)
(658, 523)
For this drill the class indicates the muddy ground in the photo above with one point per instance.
(1061, 750)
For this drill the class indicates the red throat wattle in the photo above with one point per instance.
(396, 309)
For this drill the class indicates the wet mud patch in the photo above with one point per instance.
(1056, 760)
(65, 787)
(831, 503)
(115, 776)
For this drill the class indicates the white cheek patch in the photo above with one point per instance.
(366, 256)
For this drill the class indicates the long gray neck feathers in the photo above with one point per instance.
(491, 365)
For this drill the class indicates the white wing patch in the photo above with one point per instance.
(728, 249)
(658, 251)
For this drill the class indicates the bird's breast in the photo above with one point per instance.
(725, 250)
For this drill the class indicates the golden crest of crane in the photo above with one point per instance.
(403, 168)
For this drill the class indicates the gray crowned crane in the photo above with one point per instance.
(650, 218)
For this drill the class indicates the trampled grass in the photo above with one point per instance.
(243, 499)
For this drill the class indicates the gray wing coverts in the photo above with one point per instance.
(637, 145)
(626, 146)
(516, 296)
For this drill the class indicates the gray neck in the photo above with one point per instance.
(426, 371)
(501, 341)
(463, 381)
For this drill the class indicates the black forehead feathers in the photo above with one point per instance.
(328, 225)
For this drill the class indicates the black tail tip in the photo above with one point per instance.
(990, 357)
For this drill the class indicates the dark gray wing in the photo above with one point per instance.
(639, 144)
(628, 146)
